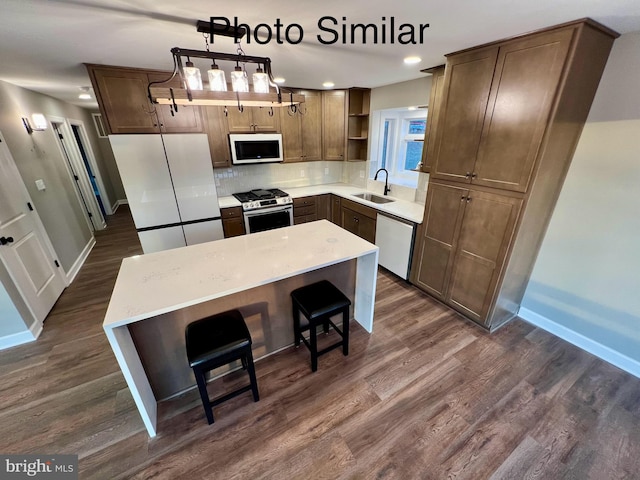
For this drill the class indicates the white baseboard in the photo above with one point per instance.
(595, 348)
(17, 339)
(77, 265)
(122, 201)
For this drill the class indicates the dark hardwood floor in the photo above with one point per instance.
(426, 396)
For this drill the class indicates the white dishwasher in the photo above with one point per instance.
(395, 240)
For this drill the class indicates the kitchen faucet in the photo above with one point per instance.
(386, 179)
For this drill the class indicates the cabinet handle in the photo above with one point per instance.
(356, 219)
(463, 197)
(468, 199)
(467, 175)
(474, 175)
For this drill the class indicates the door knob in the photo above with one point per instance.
(5, 240)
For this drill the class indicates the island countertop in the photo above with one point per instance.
(157, 283)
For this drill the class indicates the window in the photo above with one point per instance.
(400, 138)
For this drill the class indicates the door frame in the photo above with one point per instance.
(86, 144)
(82, 188)
(33, 324)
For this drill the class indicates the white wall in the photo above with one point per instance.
(398, 95)
(586, 282)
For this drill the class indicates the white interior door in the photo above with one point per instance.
(25, 249)
(80, 177)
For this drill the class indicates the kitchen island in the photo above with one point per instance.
(164, 284)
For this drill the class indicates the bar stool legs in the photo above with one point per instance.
(319, 302)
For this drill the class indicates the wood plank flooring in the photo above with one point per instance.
(426, 396)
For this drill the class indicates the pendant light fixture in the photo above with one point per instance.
(192, 75)
(217, 94)
(217, 80)
(239, 80)
(260, 81)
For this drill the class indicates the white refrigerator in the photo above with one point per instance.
(170, 188)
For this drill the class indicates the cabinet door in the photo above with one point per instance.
(336, 210)
(312, 125)
(367, 228)
(291, 129)
(239, 122)
(524, 86)
(122, 93)
(265, 119)
(187, 119)
(333, 124)
(323, 207)
(433, 114)
(350, 221)
(466, 91)
(216, 128)
(442, 218)
(487, 229)
(232, 221)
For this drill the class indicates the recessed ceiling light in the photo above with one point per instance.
(328, 84)
(278, 80)
(84, 95)
(412, 60)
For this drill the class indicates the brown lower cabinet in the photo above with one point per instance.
(304, 210)
(465, 239)
(336, 209)
(232, 221)
(323, 207)
(359, 219)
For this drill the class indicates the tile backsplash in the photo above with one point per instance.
(276, 175)
(289, 175)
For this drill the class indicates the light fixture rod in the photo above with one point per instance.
(232, 57)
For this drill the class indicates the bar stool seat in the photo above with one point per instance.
(319, 302)
(216, 341)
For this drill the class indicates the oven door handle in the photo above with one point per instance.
(265, 210)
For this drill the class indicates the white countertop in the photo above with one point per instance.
(157, 283)
(410, 211)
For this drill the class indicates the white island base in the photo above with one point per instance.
(153, 285)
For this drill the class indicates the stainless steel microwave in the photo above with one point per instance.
(249, 148)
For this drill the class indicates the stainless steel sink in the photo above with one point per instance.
(372, 197)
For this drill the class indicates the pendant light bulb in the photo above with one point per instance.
(260, 81)
(217, 80)
(192, 76)
(239, 81)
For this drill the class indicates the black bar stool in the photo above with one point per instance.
(319, 302)
(216, 341)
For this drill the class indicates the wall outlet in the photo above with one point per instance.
(301, 173)
(361, 173)
(326, 170)
(40, 184)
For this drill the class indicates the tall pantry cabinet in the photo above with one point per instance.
(510, 117)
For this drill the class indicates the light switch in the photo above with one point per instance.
(40, 184)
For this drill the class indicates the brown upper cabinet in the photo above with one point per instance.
(312, 125)
(253, 119)
(496, 105)
(216, 129)
(186, 120)
(433, 114)
(333, 124)
(122, 97)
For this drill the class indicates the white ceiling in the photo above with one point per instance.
(44, 43)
